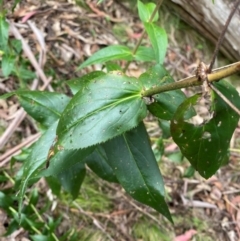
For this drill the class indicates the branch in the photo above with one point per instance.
(216, 75)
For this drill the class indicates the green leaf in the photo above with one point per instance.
(158, 38)
(68, 167)
(103, 109)
(23, 73)
(65, 159)
(165, 104)
(45, 107)
(97, 161)
(36, 159)
(7, 64)
(165, 126)
(78, 83)
(5, 201)
(72, 178)
(111, 66)
(4, 28)
(131, 157)
(110, 53)
(54, 184)
(17, 45)
(7, 95)
(145, 54)
(206, 145)
(41, 237)
(146, 10)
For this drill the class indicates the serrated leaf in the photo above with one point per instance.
(97, 161)
(78, 83)
(165, 104)
(145, 11)
(4, 28)
(45, 107)
(110, 53)
(36, 159)
(145, 54)
(158, 39)
(103, 109)
(206, 145)
(131, 157)
(7, 64)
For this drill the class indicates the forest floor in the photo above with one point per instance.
(62, 34)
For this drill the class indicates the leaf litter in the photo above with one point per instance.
(72, 33)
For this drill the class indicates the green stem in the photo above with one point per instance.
(216, 75)
(143, 33)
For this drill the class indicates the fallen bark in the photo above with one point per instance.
(208, 19)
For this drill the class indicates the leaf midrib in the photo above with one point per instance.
(99, 110)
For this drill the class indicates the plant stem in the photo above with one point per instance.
(143, 33)
(216, 75)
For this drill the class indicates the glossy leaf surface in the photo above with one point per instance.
(97, 161)
(76, 84)
(206, 145)
(110, 53)
(68, 167)
(45, 107)
(63, 160)
(164, 104)
(158, 38)
(36, 159)
(131, 157)
(71, 179)
(103, 109)
(145, 54)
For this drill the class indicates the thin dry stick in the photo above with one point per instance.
(29, 54)
(225, 99)
(7, 156)
(95, 221)
(221, 37)
(21, 113)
